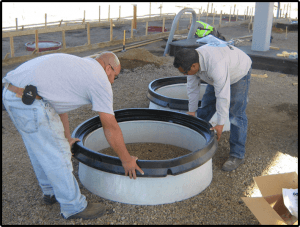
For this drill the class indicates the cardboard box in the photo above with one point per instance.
(270, 209)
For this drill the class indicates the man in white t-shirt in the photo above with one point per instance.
(60, 83)
(227, 70)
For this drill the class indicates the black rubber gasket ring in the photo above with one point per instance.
(164, 101)
(151, 168)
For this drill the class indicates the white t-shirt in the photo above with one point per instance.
(220, 66)
(66, 82)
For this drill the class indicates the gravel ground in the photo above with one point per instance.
(150, 151)
(272, 147)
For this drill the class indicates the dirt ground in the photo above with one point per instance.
(272, 132)
(151, 151)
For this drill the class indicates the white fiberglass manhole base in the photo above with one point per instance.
(165, 181)
(171, 94)
(146, 191)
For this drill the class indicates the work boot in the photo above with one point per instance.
(232, 163)
(92, 210)
(49, 200)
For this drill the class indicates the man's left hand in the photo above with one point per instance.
(72, 141)
(219, 129)
(192, 113)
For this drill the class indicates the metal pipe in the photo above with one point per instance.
(278, 9)
(174, 24)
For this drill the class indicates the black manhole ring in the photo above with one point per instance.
(164, 101)
(151, 168)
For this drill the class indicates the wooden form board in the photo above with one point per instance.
(20, 59)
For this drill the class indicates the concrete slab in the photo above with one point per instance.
(267, 60)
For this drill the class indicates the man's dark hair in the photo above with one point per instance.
(185, 57)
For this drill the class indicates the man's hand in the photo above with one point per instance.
(192, 114)
(114, 136)
(72, 141)
(130, 166)
(219, 129)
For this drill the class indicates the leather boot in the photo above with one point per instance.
(49, 200)
(92, 211)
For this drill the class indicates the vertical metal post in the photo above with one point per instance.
(247, 12)
(108, 19)
(124, 38)
(280, 13)
(262, 26)
(99, 13)
(290, 11)
(146, 29)
(234, 10)
(64, 39)
(45, 20)
(131, 29)
(207, 12)
(36, 41)
(12, 49)
(111, 30)
(207, 7)
(134, 16)
(220, 19)
(88, 34)
(278, 10)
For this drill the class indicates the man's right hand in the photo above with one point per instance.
(113, 134)
(130, 166)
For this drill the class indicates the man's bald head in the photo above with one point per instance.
(109, 58)
(110, 63)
